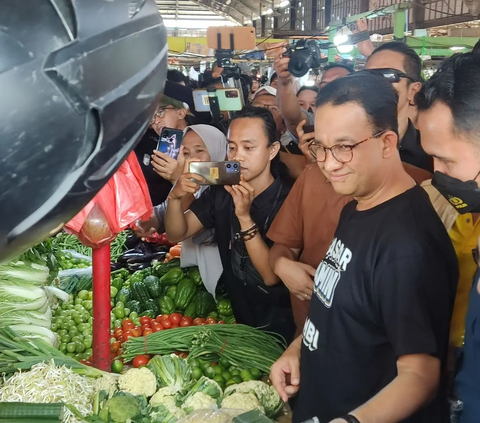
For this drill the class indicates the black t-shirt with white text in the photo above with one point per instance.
(385, 289)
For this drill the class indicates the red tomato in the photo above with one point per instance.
(183, 354)
(140, 361)
(211, 321)
(137, 331)
(221, 322)
(115, 347)
(163, 317)
(145, 320)
(186, 321)
(176, 318)
(117, 332)
(127, 335)
(126, 321)
(146, 327)
(198, 321)
(158, 328)
(119, 353)
(147, 331)
(155, 324)
(166, 323)
(128, 326)
(174, 326)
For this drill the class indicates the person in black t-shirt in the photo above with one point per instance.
(241, 216)
(374, 344)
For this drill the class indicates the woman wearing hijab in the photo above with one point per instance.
(204, 143)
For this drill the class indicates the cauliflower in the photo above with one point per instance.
(199, 401)
(138, 382)
(240, 401)
(166, 414)
(107, 383)
(161, 396)
(266, 394)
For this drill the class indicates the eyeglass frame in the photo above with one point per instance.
(160, 112)
(381, 71)
(267, 106)
(331, 149)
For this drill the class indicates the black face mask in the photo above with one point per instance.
(463, 195)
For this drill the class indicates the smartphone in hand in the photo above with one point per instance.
(170, 142)
(217, 173)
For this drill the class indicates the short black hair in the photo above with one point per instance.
(411, 60)
(273, 77)
(456, 84)
(381, 108)
(309, 88)
(174, 75)
(338, 65)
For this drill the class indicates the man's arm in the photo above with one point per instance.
(178, 224)
(416, 385)
(286, 98)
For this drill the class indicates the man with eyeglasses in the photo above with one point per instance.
(401, 66)
(374, 343)
(170, 113)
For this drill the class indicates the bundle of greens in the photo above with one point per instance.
(171, 371)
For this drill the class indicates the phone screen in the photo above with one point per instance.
(170, 142)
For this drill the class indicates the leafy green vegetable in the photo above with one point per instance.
(121, 407)
(171, 371)
(19, 273)
(207, 386)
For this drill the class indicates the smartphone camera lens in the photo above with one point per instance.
(229, 166)
(235, 166)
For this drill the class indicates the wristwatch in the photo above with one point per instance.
(350, 419)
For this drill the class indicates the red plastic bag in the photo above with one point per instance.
(122, 201)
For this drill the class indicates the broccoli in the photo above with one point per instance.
(121, 407)
(138, 382)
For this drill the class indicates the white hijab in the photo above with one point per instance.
(206, 257)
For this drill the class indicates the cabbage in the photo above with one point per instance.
(32, 331)
(22, 297)
(20, 273)
(29, 317)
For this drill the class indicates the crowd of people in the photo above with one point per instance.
(350, 232)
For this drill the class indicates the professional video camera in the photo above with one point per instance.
(305, 55)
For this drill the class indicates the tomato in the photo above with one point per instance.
(158, 328)
(174, 326)
(125, 322)
(119, 353)
(211, 321)
(221, 322)
(137, 331)
(198, 321)
(175, 250)
(167, 323)
(159, 318)
(128, 326)
(140, 361)
(183, 354)
(127, 335)
(115, 347)
(145, 320)
(175, 318)
(117, 332)
(163, 317)
(147, 331)
(186, 321)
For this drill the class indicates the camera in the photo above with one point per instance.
(304, 55)
(229, 166)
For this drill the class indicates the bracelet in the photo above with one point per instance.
(350, 419)
(247, 234)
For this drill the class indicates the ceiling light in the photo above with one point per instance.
(269, 11)
(283, 4)
(249, 22)
(457, 48)
(340, 39)
(345, 48)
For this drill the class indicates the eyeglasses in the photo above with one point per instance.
(160, 113)
(266, 106)
(392, 75)
(342, 153)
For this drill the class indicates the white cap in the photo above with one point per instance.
(269, 91)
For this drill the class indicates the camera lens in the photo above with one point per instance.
(229, 166)
(235, 166)
(300, 63)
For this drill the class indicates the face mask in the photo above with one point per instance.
(463, 195)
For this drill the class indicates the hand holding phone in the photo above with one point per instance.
(243, 195)
(170, 141)
(188, 183)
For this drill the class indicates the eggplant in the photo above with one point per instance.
(133, 267)
(132, 241)
(147, 258)
(115, 266)
(129, 255)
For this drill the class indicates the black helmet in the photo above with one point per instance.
(79, 82)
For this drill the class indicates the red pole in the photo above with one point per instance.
(101, 307)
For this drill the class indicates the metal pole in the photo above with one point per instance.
(101, 307)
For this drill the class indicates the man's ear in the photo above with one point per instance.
(274, 149)
(390, 144)
(413, 89)
(182, 113)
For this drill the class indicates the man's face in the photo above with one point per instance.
(270, 102)
(166, 117)
(274, 83)
(332, 74)
(347, 125)
(392, 60)
(248, 144)
(453, 153)
(307, 99)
